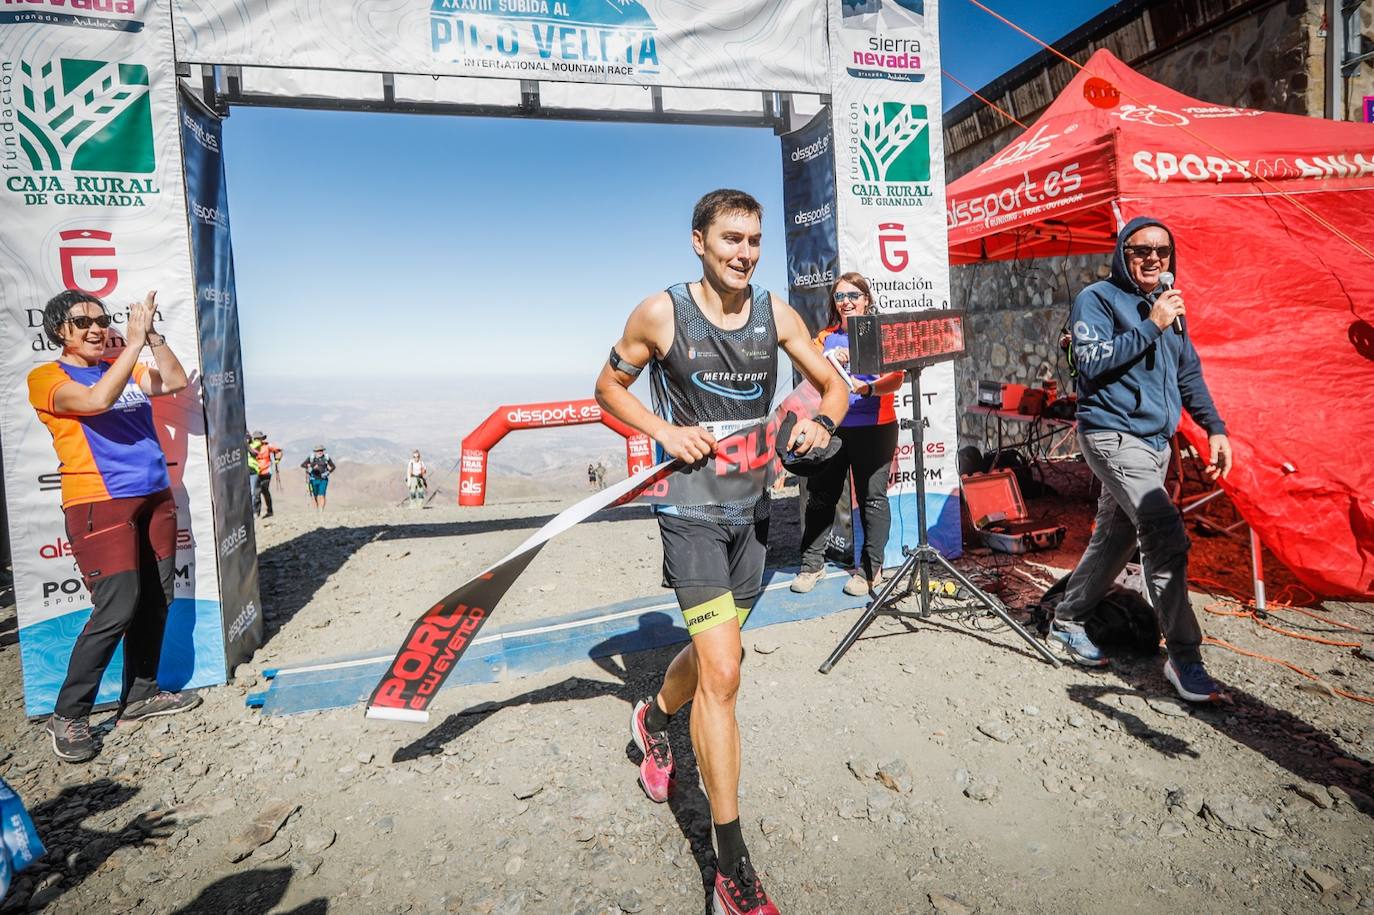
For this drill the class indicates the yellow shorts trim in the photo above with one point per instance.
(712, 613)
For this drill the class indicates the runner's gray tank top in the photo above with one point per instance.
(722, 380)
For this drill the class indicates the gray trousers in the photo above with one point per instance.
(1135, 508)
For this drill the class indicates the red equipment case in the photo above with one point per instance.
(999, 514)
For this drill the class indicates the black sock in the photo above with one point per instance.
(730, 850)
(655, 719)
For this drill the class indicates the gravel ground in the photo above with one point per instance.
(940, 767)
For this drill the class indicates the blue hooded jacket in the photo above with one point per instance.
(1133, 377)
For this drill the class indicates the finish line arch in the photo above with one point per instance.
(137, 199)
(477, 444)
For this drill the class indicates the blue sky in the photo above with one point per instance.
(384, 245)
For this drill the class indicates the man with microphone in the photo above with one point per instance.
(1136, 370)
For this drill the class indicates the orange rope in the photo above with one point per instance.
(1303, 208)
(1221, 643)
(1282, 601)
(1248, 610)
(993, 105)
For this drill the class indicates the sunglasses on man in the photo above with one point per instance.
(83, 322)
(849, 296)
(1163, 252)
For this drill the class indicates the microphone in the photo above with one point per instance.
(1166, 282)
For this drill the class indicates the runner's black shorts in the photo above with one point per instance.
(706, 554)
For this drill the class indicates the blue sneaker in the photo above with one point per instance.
(1191, 681)
(1072, 641)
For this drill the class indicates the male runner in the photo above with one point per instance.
(714, 350)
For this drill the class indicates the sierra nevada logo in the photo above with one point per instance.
(884, 57)
(54, 12)
(889, 144)
(864, 10)
(83, 126)
(597, 38)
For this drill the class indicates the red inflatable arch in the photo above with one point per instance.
(472, 479)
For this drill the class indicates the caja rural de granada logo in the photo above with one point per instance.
(889, 146)
(594, 37)
(77, 133)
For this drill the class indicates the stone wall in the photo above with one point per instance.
(1270, 59)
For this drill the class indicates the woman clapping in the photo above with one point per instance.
(117, 498)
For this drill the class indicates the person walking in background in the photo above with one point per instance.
(600, 475)
(117, 498)
(591, 476)
(417, 480)
(869, 434)
(263, 456)
(318, 467)
(1137, 372)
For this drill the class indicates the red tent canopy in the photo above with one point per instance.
(1280, 306)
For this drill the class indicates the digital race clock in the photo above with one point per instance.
(898, 341)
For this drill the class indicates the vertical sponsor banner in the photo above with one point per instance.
(808, 201)
(90, 188)
(890, 196)
(813, 256)
(221, 362)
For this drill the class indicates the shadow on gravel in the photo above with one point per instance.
(953, 620)
(254, 892)
(1280, 736)
(1091, 698)
(60, 824)
(290, 573)
(9, 631)
(640, 676)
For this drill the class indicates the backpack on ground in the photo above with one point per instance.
(1122, 623)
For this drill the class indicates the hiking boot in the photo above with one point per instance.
(805, 581)
(1191, 681)
(857, 586)
(656, 769)
(741, 894)
(72, 740)
(1072, 641)
(164, 703)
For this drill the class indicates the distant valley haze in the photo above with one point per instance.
(380, 420)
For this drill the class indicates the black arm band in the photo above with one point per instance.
(620, 365)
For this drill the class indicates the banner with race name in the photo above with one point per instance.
(91, 190)
(221, 361)
(890, 206)
(745, 463)
(766, 45)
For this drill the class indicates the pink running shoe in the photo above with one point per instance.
(742, 895)
(656, 770)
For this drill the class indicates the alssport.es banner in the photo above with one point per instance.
(744, 463)
(890, 189)
(775, 45)
(91, 190)
(808, 203)
(221, 361)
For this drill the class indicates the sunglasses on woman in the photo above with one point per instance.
(83, 322)
(849, 297)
